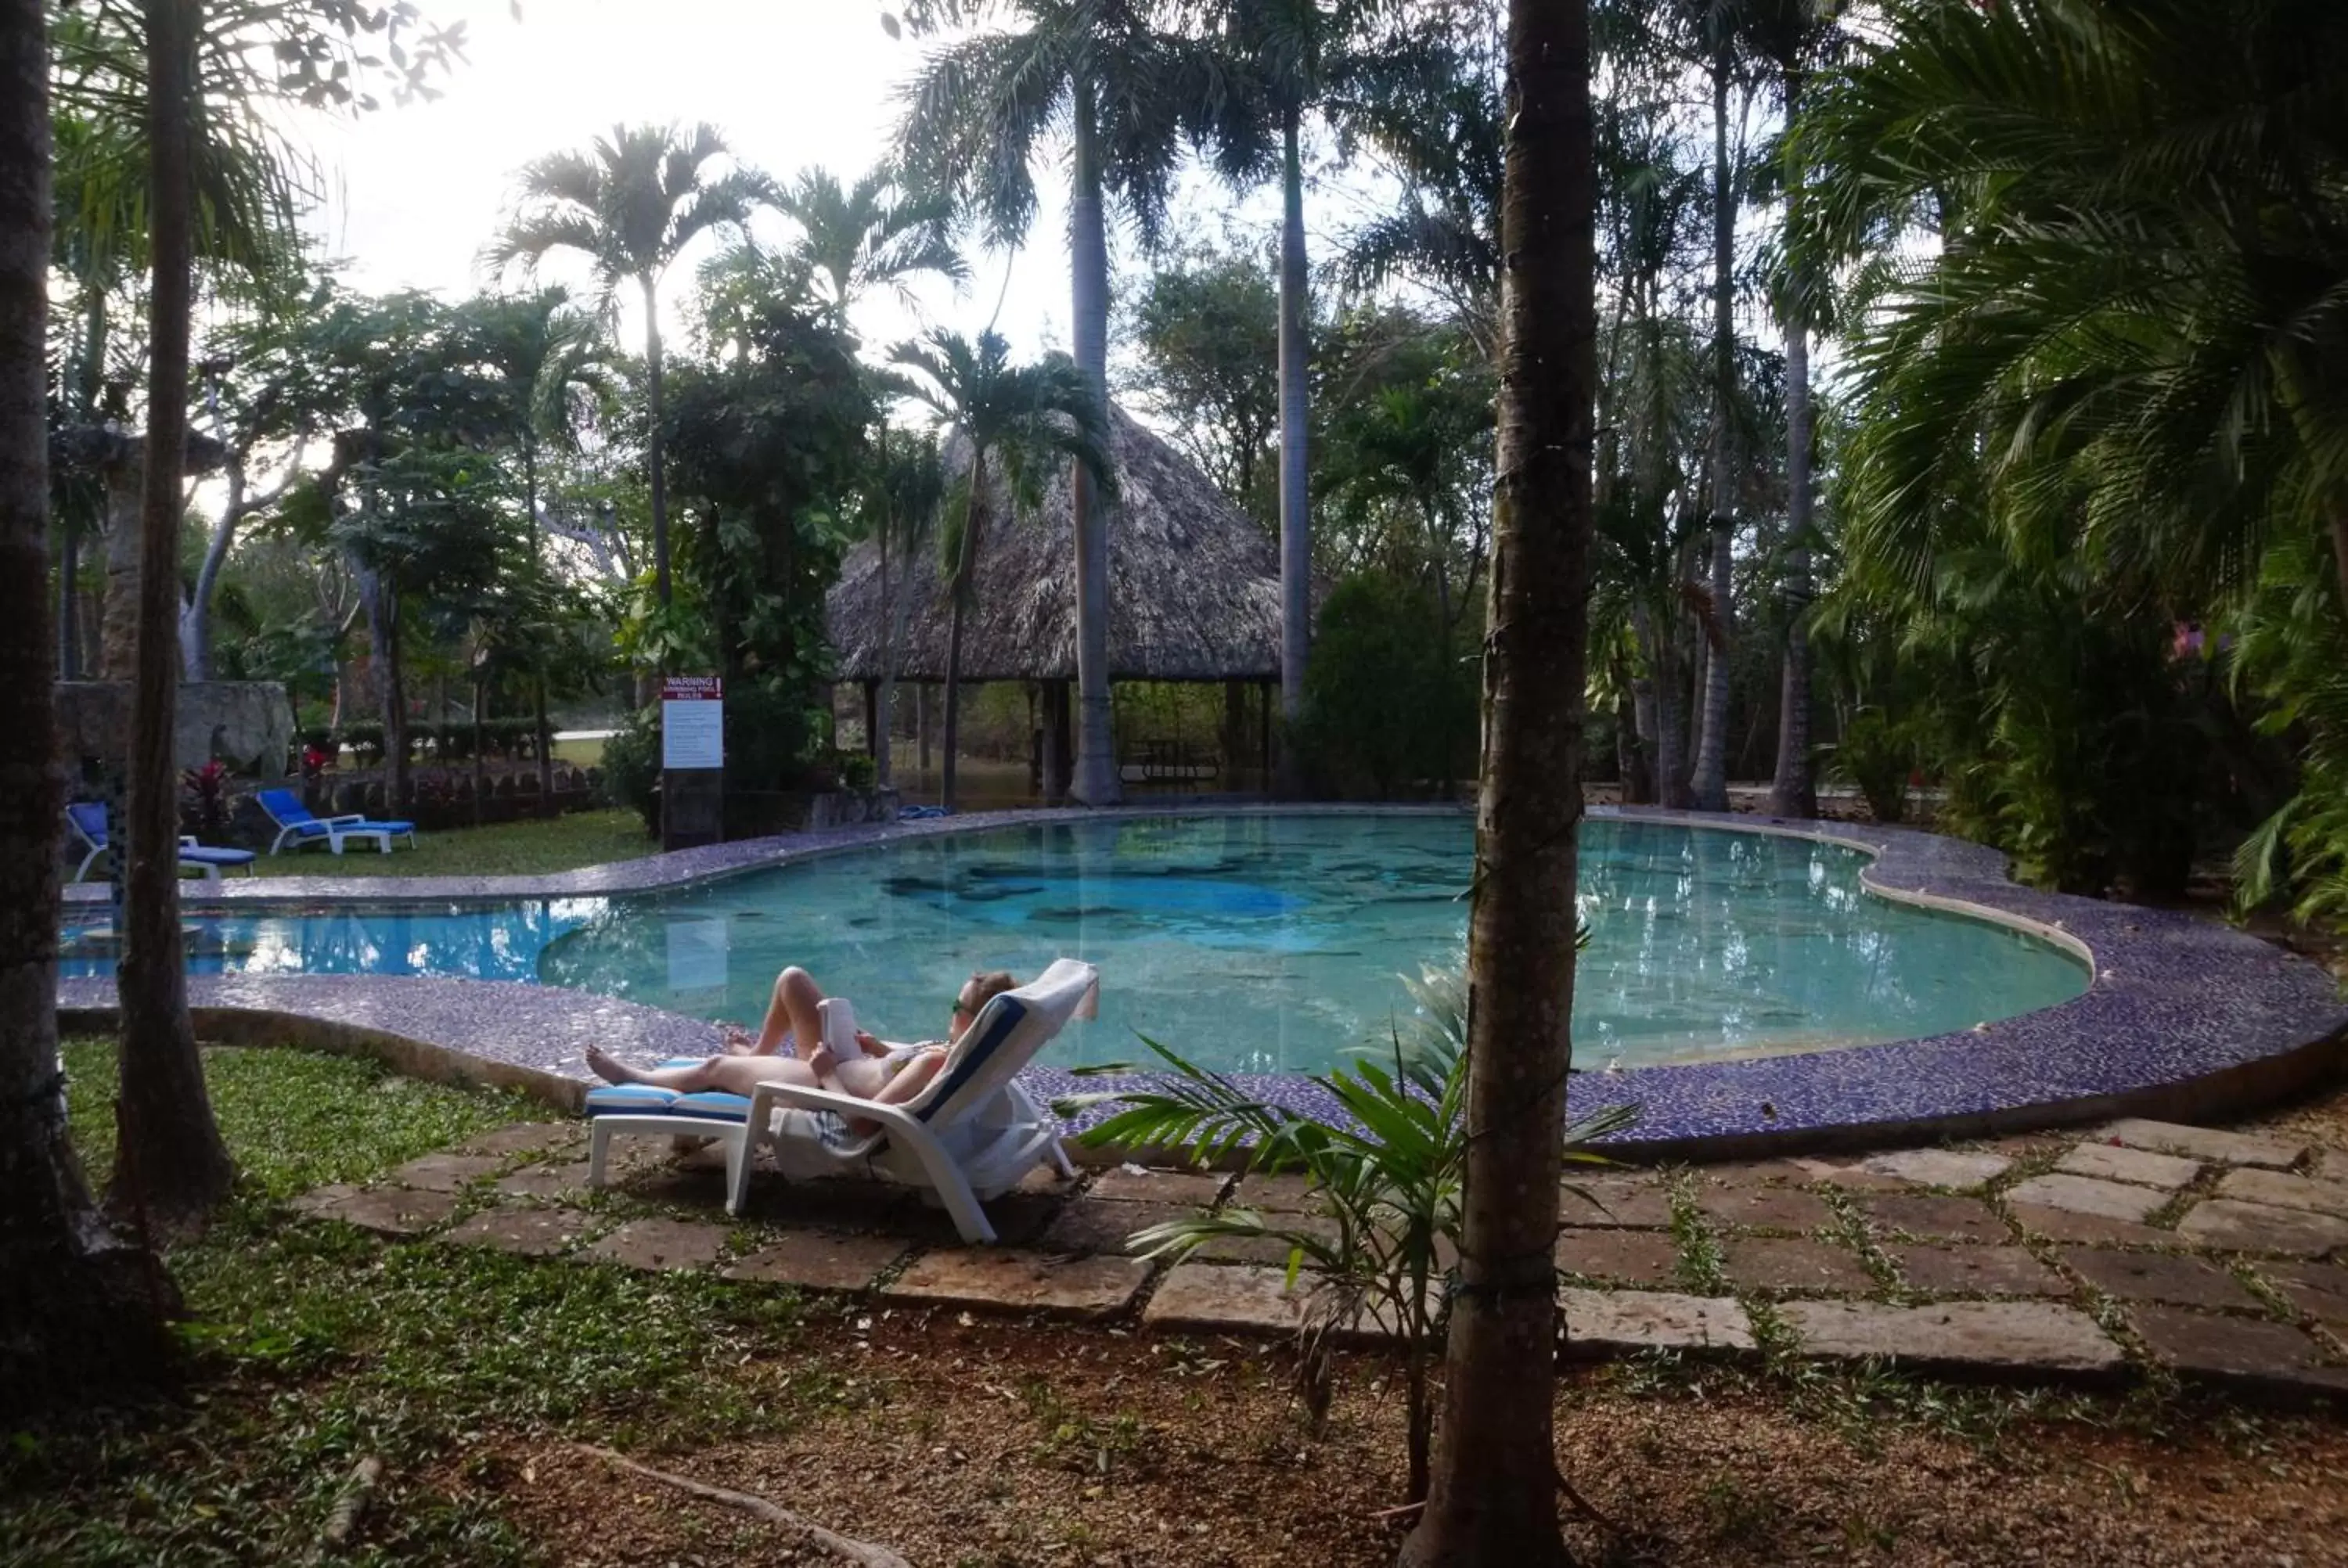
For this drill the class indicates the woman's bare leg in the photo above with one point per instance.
(792, 1008)
(686, 1079)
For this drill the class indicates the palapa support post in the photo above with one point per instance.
(873, 739)
(1264, 719)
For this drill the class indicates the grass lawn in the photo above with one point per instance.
(312, 1346)
(502, 849)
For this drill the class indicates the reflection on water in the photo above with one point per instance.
(1252, 944)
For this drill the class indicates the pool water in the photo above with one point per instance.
(1259, 943)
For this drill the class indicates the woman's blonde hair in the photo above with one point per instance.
(986, 985)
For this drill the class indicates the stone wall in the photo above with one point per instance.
(245, 723)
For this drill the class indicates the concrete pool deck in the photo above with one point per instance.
(2185, 1018)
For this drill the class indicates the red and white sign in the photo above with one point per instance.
(693, 722)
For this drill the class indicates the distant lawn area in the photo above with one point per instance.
(504, 849)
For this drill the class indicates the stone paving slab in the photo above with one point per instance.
(1635, 1258)
(445, 1172)
(532, 1232)
(2155, 1276)
(1268, 1249)
(391, 1211)
(2202, 1143)
(661, 1245)
(2232, 1226)
(1940, 1167)
(2286, 1191)
(1764, 1209)
(2088, 1230)
(995, 1279)
(1853, 1178)
(1976, 1271)
(1286, 1194)
(1601, 1323)
(1782, 1264)
(1930, 1217)
(1193, 1189)
(525, 1138)
(1249, 1298)
(2118, 1162)
(2015, 1339)
(2081, 1194)
(1091, 1224)
(1640, 1205)
(2318, 1289)
(817, 1260)
(548, 1182)
(2266, 1358)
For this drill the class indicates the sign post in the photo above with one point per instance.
(692, 760)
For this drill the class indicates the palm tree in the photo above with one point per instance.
(872, 234)
(1022, 419)
(1496, 1483)
(82, 1309)
(906, 487)
(169, 1163)
(1792, 36)
(631, 204)
(1128, 95)
(1287, 55)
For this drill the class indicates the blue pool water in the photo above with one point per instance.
(1249, 943)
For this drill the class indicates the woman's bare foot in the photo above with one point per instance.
(611, 1068)
(739, 1041)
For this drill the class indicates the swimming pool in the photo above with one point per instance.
(1251, 943)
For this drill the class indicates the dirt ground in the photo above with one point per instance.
(985, 1445)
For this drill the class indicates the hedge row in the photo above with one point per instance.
(513, 739)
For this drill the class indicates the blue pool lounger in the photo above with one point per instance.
(969, 1137)
(293, 820)
(85, 820)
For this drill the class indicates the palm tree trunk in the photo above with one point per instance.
(652, 447)
(1295, 497)
(1792, 792)
(545, 746)
(1709, 785)
(1494, 1491)
(196, 619)
(481, 749)
(898, 609)
(1096, 782)
(79, 1308)
(1668, 710)
(171, 1166)
(965, 567)
(2340, 549)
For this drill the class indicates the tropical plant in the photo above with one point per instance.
(1019, 419)
(1386, 711)
(1494, 1487)
(873, 233)
(1126, 94)
(2122, 370)
(1386, 1175)
(633, 202)
(1875, 756)
(1208, 332)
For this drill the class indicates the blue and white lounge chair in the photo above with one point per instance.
(295, 821)
(969, 1137)
(85, 820)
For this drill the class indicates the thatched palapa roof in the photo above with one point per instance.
(1194, 587)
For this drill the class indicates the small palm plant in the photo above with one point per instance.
(1386, 1177)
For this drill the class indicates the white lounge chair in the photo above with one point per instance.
(969, 1137)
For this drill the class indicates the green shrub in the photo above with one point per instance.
(857, 771)
(632, 765)
(1386, 711)
(1875, 756)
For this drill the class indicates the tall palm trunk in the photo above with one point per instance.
(1793, 791)
(169, 1164)
(1709, 782)
(1096, 782)
(1668, 710)
(1295, 497)
(965, 568)
(1494, 1494)
(545, 745)
(653, 446)
(897, 610)
(79, 1308)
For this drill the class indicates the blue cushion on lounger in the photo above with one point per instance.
(630, 1100)
(711, 1106)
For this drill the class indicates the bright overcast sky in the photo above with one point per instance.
(416, 191)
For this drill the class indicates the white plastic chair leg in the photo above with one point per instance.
(737, 1170)
(598, 1143)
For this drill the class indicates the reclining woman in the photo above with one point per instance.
(882, 1075)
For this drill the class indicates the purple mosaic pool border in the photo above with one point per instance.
(2184, 1018)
